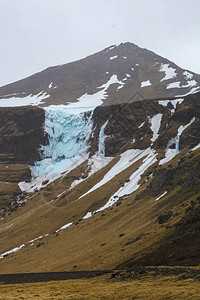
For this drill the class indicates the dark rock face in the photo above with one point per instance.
(21, 134)
(164, 218)
(125, 120)
(188, 109)
(182, 246)
(123, 126)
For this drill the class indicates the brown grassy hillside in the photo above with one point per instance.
(137, 230)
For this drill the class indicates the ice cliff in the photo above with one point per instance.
(68, 131)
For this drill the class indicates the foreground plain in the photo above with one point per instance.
(105, 288)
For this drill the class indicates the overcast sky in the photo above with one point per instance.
(36, 34)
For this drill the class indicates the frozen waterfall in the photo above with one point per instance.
(102, 137)
(69, 131)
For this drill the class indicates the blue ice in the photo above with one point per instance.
(102, 137)
(69, 131)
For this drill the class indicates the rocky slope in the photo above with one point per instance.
(21, 136)
(117, 74)
(134, 200)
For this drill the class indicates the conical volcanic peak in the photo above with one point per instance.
(118, 74)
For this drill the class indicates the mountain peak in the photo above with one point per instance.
(114, 75)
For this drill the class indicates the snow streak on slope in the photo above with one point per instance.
(64, 226)
(68, 131)
(196, 147)
(27, 100)
(127, 158)
(97, 98)
(130, 157)
(95, 163)
(133, 184)
(192, 91)
(113, 57)
(177, 84)
(163, 194)
(11, 251)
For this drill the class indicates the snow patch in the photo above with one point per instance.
(95, 163)
(36, 239)
(190, 83)
(169, 72)
(173, 102)
(133, 184)
(36, 183)
(183, 127)
(187, 75)
(173, 85)
(141, 125)
(98, 162)
(196, 147)
(194, 90)
(161, 196)
(129, 156)
(64, 226)
(155, 125)
(110, 48)
(97, 98)
(88, 215)
(113, 57)
(3, 229)
(169, 154)
(51, 85)
(33, 100)
(11, 251)
(145, 83)
(126, 159)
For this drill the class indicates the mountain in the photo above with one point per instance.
(117, 74)
(111, 179)
(110, 187)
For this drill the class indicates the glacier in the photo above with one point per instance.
(68, 132)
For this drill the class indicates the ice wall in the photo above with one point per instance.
(69, 131)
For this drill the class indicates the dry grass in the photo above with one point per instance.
(103, 241)
(104, 288)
